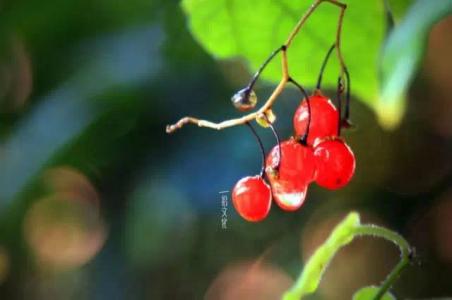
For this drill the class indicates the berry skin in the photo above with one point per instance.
(324, 118)
(335, 163)
(296, 170)
(252, 198)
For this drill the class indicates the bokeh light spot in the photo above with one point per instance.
(65, 230)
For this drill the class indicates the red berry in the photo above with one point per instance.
(335, 163)
(324, 118)
(296, 170)
(252, 198)
(290, 199)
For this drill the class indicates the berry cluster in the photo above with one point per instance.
(316, 153)
(320, 156)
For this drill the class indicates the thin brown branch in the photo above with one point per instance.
(233, 122)
(301, 22)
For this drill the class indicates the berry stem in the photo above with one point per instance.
(304, 138)
(261, 146)
(347, 96)
(322, 69)
(285, 74)
(342, 7)
(339, 105)
(278, 140)
(263, 66)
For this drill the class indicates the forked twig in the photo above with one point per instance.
(285, 75)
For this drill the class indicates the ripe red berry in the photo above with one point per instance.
(335, 163)
(324, 118)
(296, 170)
(252, 198)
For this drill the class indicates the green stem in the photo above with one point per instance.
(405, 253)
(309, 279)
(343, 234)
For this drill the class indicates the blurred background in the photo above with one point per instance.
(98, 202)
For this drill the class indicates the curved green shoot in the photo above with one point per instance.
(343, 234)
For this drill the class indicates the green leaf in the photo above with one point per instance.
(252, 29)
(402, 54)
(369, 293)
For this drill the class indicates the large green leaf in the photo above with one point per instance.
(252, 29)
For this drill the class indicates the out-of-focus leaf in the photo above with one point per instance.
(253, 29)
(398, 8)
(369, 293)
(402, 54)
(40, 19)
(124, 60)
